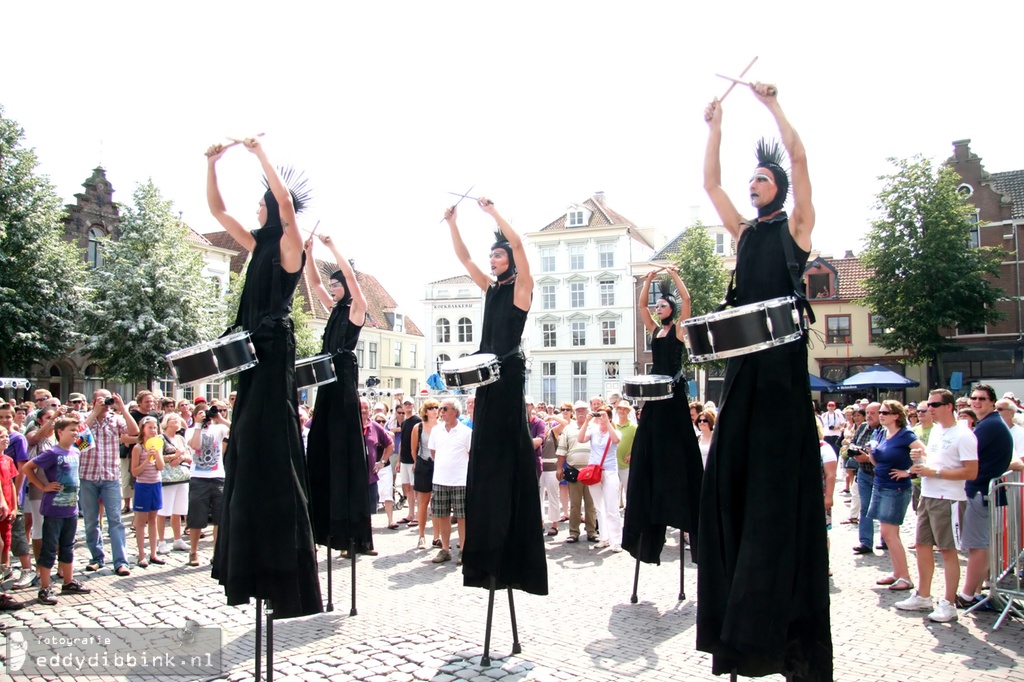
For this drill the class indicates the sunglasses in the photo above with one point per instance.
(443, 409)
(566, 409)
(433, 407)
(884, 412)
(937, 405)
(981, 398)
(703, 421)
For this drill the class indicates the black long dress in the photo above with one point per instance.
(338, 488)
(503, 524)
(665, 468)
(762, 587)
(265, 541)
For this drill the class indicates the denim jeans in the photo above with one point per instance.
(89, 495)
(866, 527)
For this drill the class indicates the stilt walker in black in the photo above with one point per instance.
(666, 468)
(762, 586)
(265, 485)
(335, 452)
(503, 548)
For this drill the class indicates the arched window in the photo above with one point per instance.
(465, 330)
(444, 330)
(94, 254)
(440, 359)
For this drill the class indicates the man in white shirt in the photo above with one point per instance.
(834, 423)
(951, 459)
(1007, 411)
(449, 445)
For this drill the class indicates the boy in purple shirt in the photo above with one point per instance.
(59, 509)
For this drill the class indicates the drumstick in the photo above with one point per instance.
(466, 196)
(733, 85)
(772, 91)
(461, 197)
(235, 140)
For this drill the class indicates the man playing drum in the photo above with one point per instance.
(762, 488)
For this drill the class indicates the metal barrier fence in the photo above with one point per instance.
(1006, 550)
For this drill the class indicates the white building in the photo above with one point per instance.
(454, 310)
(580, 332)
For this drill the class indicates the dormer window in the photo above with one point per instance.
(575, 218)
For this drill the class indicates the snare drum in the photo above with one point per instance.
(315, 371)
(650, 387)
(473, 370)
(213, 360)
(742, 330)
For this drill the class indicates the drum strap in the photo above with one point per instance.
(803, 306)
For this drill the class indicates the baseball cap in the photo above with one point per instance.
(74, 397)
(580, 404)
(200, 400)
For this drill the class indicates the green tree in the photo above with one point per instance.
(701, 270)
(925, 278)
(149, 296)
(40, 273)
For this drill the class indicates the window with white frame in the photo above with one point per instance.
(576, 295)
(165, 386)
(719, 243)
(548, 382)
(444, 330)
(360, 354)
(442, 357)
(654, 293)
(412, 355)
(400, 323)
(607, 289)
(579, 333)
(465, 330)
(396, 346)
(373, 355)
(547, 297)
(579, 380)
(606, 254)
(547, 259)
(575, 218)
(608, 332)
(213, 391)
(94, 254)
(576, 252)
(549, 334)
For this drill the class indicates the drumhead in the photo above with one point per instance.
(313, 360)
(649, 380)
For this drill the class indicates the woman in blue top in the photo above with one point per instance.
(892, 487)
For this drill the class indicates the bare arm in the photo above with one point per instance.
(642, 309)
(523, 296)
(731, 218)
(216, 202)
(291, 241)
(830, 483)
(357, 313)
(462, 253)
(684, 304)
(312, 274)
(801, 222)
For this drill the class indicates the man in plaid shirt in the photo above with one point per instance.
(100, 476)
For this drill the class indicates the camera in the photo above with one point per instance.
(596, 415)
(108, 401)
(212, 412)
(855, 449)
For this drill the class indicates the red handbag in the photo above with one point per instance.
(591, 474)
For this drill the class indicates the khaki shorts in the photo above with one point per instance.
(935, 522)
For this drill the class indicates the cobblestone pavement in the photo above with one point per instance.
(416, 621)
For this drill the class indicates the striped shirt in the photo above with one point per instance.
(101, 462)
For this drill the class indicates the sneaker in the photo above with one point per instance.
(5, 573)
(962, 603)
(45, 596)
(943, 613)
(442, 556)
(915, 602)
(163, 548)
(180, 545)
(422, 543)
(74, 587)
(7, 603)
(26, 578)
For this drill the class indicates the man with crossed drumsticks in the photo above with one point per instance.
(761, 495)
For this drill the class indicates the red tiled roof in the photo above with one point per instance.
(196, 238)
(224, 240)
(851, 274)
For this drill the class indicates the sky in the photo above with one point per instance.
(388, 106)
